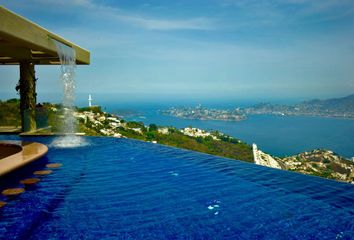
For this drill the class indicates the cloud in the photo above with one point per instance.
(148, 23)
(90, 9)
(280, 12)
(165, 25)
(67, 3)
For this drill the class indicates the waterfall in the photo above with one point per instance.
(67, 56)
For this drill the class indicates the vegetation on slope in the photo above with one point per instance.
(226, 146)
(10, 112)
(322, 163)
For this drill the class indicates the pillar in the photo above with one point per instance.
(27, 89)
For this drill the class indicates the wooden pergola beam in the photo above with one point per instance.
(19, 35)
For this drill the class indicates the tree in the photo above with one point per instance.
(152, 127)
(150, 136)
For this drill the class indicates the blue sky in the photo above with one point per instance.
(215, 49)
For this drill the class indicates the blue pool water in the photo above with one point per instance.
(127, 189)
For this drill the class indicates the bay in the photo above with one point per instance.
(276, 135)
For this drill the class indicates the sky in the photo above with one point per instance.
(205, 49)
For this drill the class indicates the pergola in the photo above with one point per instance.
(27, 44)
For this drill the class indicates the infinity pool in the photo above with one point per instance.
(127, 189)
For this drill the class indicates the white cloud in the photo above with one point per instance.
(157, 24)
(91, 9)
(291, 11)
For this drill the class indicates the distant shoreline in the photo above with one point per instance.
(333, 108)
(263, 114)
(305, 115)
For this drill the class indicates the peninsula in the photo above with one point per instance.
(203, 113)
(337, 107)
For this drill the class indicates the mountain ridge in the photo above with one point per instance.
(333, 107)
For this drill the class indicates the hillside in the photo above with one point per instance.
(104, 124)
(10, 112)
(321, 163)
(336, 107)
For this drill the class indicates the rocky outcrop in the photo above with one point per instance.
(321, 163)
(264, 159)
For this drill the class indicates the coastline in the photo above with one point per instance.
(278, 135)
(262, 114)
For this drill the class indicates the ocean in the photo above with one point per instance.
(276, 135)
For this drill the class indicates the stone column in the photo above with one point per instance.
(27, 89)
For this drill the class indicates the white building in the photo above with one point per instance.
(196, 132)
(162, 130)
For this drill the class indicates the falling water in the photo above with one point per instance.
(67, 56)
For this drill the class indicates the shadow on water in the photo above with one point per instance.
(13, 179)
(50, 202)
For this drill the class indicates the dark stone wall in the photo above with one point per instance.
(27, 89)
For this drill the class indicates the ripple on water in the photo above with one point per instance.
(126, 189)
(69, 141)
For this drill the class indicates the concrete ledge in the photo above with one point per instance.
(30, 152)
(10, 129)
(36, 133)
(39, 131)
